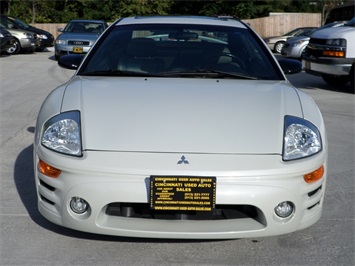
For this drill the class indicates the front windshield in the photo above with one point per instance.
(350, 23)
(181, 50)
(84, 27)
(20, 22)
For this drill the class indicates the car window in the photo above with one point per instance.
(168, 50)
(84, 27)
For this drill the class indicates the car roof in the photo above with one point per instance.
(215, 21)
(87, 20)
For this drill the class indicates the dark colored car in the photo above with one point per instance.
(46, 38)
(6, 38)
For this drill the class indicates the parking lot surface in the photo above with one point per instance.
(26, 238)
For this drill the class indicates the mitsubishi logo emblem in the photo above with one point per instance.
(183, 160)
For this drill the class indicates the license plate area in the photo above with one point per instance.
(78, 50)
(174, 193)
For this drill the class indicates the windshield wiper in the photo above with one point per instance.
(210, 73)
(115, 72)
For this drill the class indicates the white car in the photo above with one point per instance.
(180, 137)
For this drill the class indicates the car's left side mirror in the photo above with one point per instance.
(290, 66)
(70, 61)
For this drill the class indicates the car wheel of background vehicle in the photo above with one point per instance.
(352, 79)
(278, 47)
(335, 80)
(40, 49)
(15, 48)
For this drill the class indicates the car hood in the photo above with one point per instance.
(298, 38)
(181, 115)
(78, 36)
(337, 32)
(39, 31)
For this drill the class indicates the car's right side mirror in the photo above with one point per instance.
(290, 66)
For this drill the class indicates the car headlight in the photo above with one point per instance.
(43, 36)
(298, 43)
(28, 35)
(60, 41)
(301, 139)
(62, 133)
(336, 42)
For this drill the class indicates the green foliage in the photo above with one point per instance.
(61, 11)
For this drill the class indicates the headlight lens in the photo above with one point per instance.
(298, 43)
(336, 42)
(62, 133)
(301, 139)
(43, 36)
(60, 41)
(28, 35)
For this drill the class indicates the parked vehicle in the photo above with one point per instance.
(331, 54)
(276, 43)
(24, 41)
(78, 36)
(46, 38)
(294, 46)
(163, 132)
(6, 38)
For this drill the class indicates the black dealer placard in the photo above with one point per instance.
(171, 193)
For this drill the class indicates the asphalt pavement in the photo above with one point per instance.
(26, 238)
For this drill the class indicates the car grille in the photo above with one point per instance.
(317, 41)
(78, 42)
(221, 212)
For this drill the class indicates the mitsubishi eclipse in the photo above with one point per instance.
(180, 127)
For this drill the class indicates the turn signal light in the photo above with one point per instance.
(315, 175)
(334, 53)
(48, 170)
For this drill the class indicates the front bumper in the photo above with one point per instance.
(292, 52)
(104, 179)
(60, 50)
(29, 44)
(332, 66)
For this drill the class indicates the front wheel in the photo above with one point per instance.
(352, 79)
(278, 47)
(14, 49)
(335, 80)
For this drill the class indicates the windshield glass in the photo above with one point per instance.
(20, 22)
(181, 51)
(84, 27)
(351, 23)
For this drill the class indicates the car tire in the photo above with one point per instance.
(352, 79)
(14, 49)
(335, 80)
(40, 49)
(278, 47)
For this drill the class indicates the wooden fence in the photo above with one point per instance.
(274, 25)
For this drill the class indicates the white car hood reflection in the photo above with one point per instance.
(181, 115)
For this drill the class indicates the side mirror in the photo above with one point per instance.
(290, 66)
(70, 61)
(60, 29)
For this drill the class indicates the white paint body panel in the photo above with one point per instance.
(188, 115)
(136, 127)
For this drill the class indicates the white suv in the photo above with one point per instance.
(331, 54)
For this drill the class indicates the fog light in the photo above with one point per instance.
(284, 209)
(79, 205)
